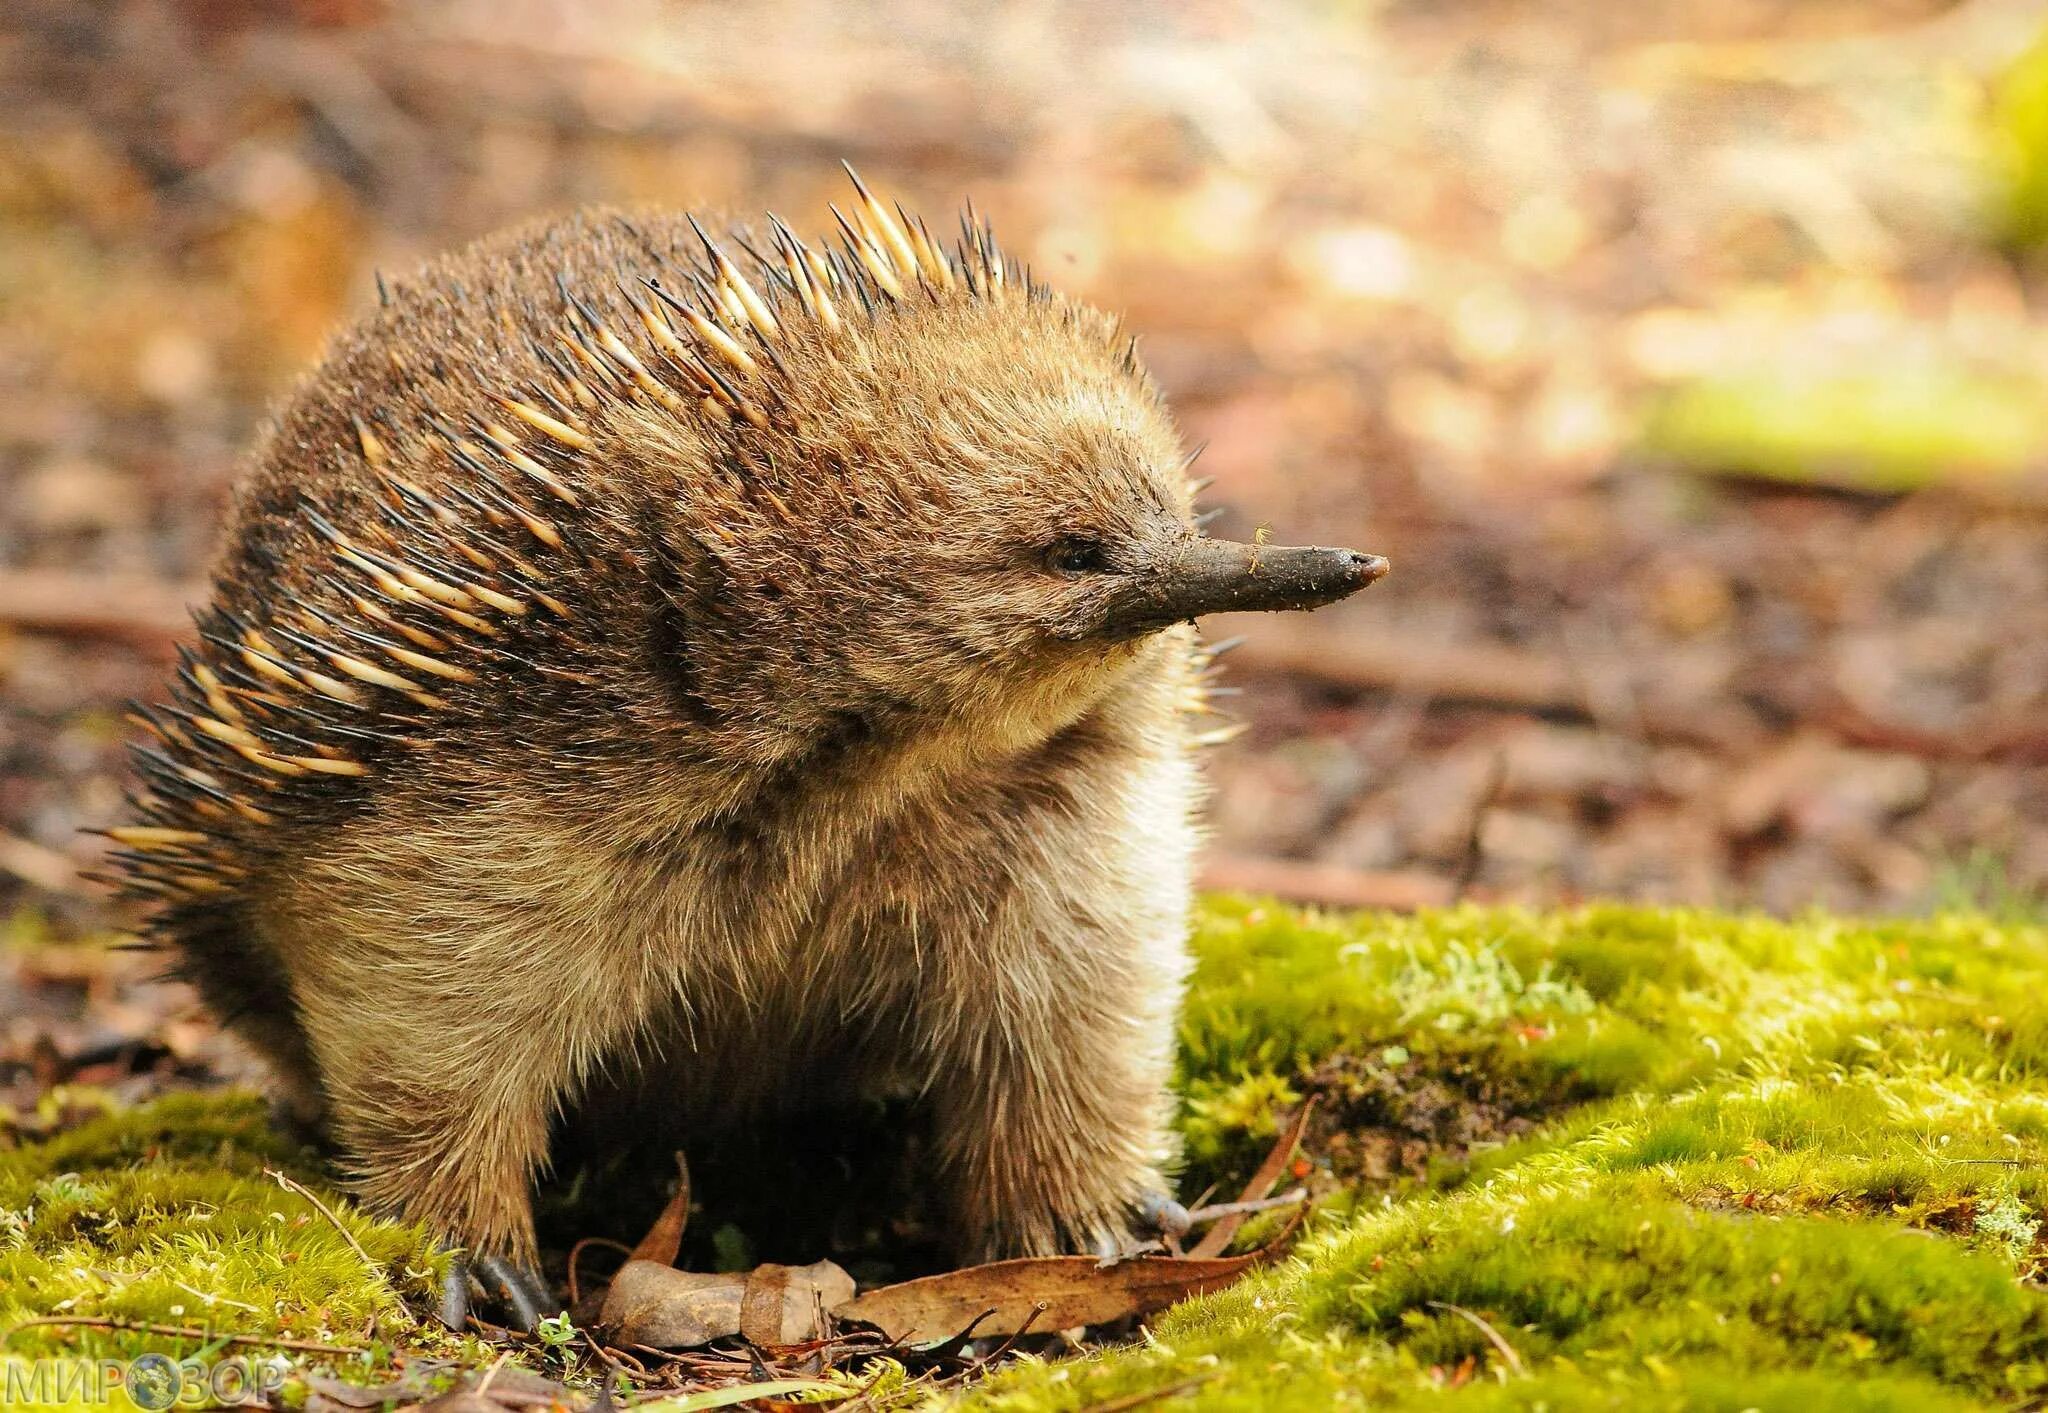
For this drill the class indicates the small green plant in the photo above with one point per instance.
(1466, 984)
(557, 1331)
(67, 1189)
(1226, 1124)
(2009, 1224)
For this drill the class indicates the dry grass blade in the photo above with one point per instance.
(1493, 1336)
(1154, 1395)
(375, 1270)
(732, 1394)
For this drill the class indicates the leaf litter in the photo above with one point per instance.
(706, 1333)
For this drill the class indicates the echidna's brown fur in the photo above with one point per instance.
(622, 642)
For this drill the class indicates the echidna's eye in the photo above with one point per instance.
(1072, 554)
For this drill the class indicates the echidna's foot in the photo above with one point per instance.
(1155, 1220)
(1158, 1214)
(511, 1289)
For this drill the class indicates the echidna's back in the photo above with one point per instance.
(409, 536)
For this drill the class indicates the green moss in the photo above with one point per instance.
(1677, 1159)
(164, 1215)
(1897, 422)
(1788, 1165)
(1591, 1277)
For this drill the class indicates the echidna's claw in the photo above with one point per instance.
(1157, 1212)
(1157, 1222)
(521, 1291)
(453, 1310)
(512, 1288)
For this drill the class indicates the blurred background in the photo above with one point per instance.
(1687, 360)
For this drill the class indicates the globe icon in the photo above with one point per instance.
(153, 1381)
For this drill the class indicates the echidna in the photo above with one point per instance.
(770, 655)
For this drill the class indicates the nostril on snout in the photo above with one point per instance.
(1367, 567)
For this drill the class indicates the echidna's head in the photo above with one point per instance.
(968, 502)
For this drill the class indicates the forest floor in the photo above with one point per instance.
(1608, 1157)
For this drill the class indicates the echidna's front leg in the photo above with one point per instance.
(454, 1147)
(458, 975)
(1051, 1087)
(1053, 1144)
(447, 1029)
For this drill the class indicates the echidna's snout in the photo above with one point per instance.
(1224, 576)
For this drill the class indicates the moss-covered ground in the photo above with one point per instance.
(1615, 1157)
(173, 1214)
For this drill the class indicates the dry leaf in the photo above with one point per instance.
(1047, 1293)
(1270, 1172)
(663, 1308)
(665, 1238)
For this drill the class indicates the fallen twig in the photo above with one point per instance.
(1493, 673)
(1202, 1216)
(2016, 741)
(614, 1359)
(147, 613)
(305, 1346)
(1473, 856)
(980, 1366)
(576, 1260)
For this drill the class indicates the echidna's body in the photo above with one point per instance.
(614, 647)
